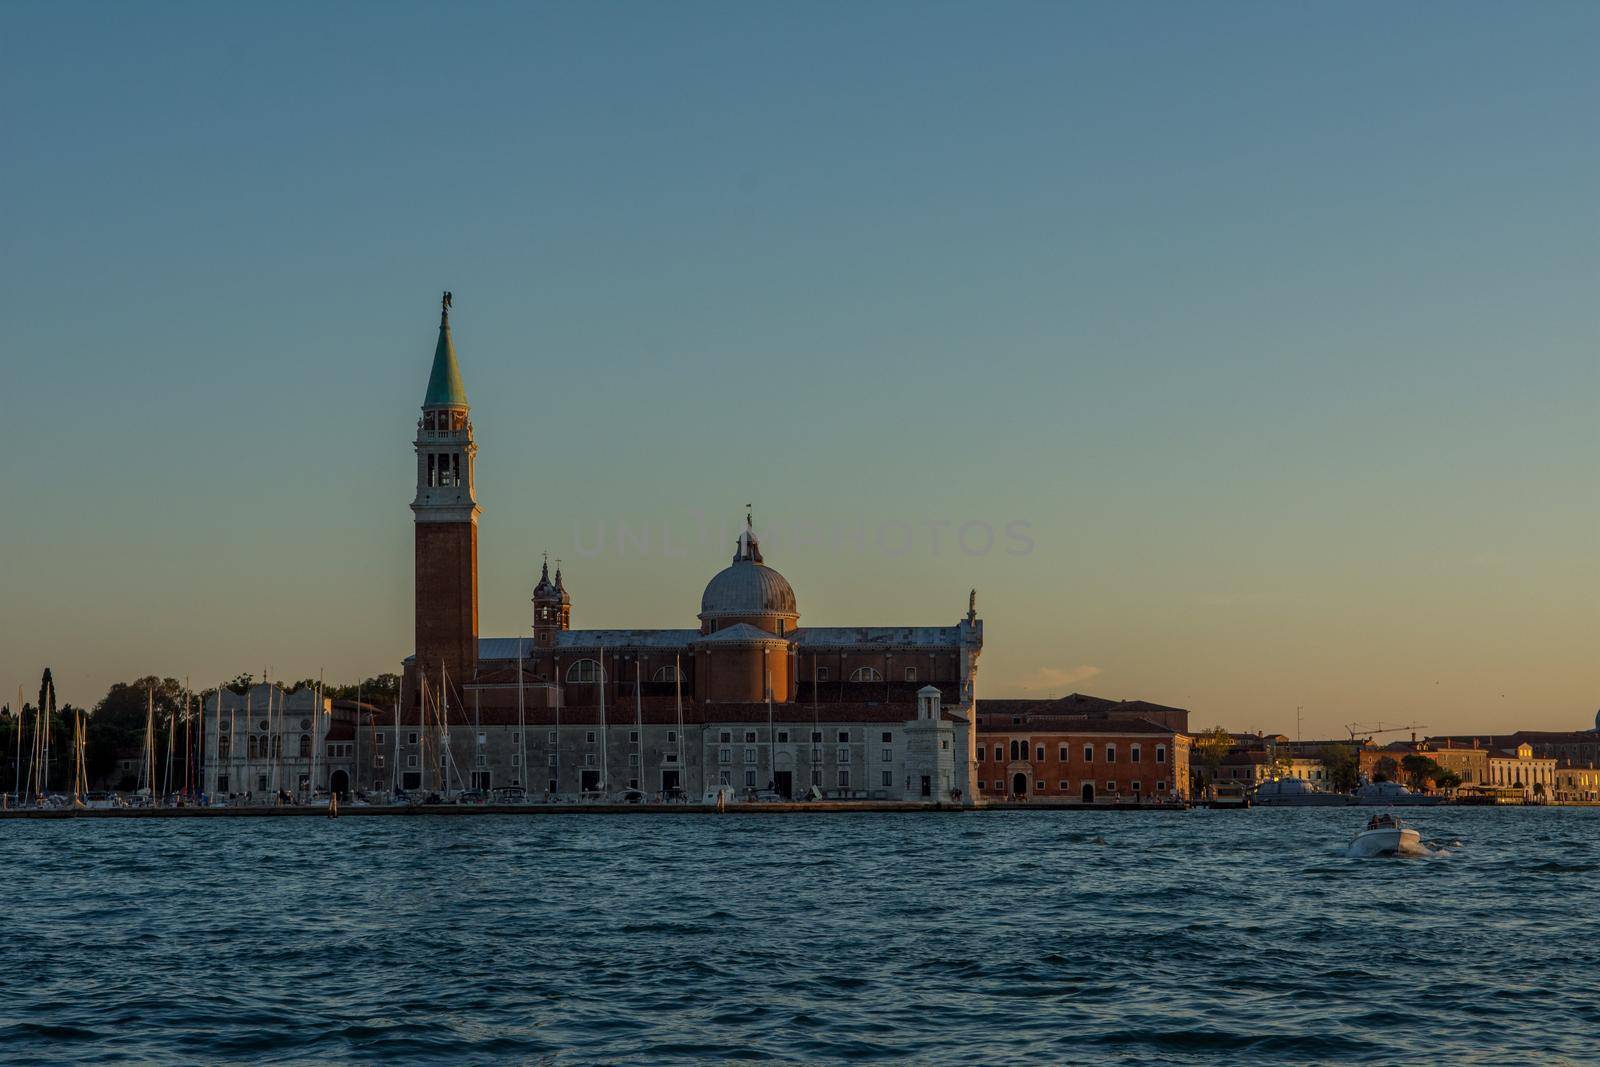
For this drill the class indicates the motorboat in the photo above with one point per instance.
(1293, 792)
(1385, 835)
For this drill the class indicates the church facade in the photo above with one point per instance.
(742, 698)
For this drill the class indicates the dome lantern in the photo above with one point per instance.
(747, 590)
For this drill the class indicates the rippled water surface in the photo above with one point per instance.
(1033, 937)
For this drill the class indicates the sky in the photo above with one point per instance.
(1242, 356)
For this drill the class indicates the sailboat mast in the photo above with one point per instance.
(442, 712)
(424, 734)
(317, 734)
(816, 729)
(188, 738)
(525, 779)
(150, 740)
(271, 753)
(772, 738)
(355, 783)
(683, 742)
(44, 715)
(557, 661)
(605, 740)
(638, 715)
(80, 781)
(21, 728)
(249, 714)
(166, 775)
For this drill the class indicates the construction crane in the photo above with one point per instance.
(1371, 730)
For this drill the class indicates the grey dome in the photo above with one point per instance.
(747, 588)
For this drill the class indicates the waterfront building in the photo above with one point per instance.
(746, 698)
(1081, 748)
(264, 741)
(1578, 784)
(1469, 762)
(1519, 768)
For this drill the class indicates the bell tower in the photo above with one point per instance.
(552, 607)
(446, 511)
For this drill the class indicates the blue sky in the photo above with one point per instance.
(1274, 324)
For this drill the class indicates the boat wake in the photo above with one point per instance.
(1409, 850)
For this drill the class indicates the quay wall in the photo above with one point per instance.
(776, 808)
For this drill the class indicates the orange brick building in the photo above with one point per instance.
(1082, 748)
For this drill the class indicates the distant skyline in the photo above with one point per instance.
(1271, 330)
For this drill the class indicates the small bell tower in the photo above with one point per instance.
(552, 607)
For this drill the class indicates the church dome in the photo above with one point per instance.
(747, 586)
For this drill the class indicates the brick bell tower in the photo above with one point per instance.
(446, 510)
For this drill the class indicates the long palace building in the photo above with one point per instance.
(746, 697)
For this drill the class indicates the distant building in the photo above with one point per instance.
(264, 741)
(1578, 784)
(1251, 766)
(1467, 762)
(1520, 769)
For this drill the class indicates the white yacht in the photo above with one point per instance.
(1389, 794)
(1293, 792)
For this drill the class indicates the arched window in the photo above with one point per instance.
(665, 674)
(277, 746)
(224, 747)
(865, 674)
(251, 746)
(305, 746)
(585, 670)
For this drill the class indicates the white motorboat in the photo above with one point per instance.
(1386, 835)
(1294, 792)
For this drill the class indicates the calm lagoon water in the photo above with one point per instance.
(997, 937)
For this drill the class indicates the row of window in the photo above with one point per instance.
(225, 726)
(587, 671)
(1019, 752)
(841, 778)
(259, 748)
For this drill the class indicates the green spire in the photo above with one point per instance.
(444, 384)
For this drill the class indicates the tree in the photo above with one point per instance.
(1281, 762)
(116, 728)
(1385, 769)
(1420, 770)
(382, 689)
(1212, 747)
(1343, 767)
(1446, 778)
